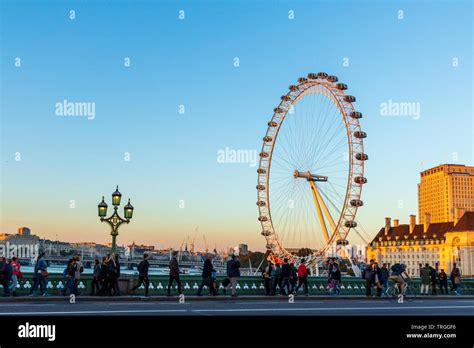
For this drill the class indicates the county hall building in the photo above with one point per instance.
(445, 232)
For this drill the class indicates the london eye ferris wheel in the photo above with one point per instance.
(311, 169)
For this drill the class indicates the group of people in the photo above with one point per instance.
(209, 277)
(431, 279)
(9, 274)
(105, 277)
(379, 277)
(283, 278)
(286, 277)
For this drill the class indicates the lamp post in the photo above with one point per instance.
(115, 220)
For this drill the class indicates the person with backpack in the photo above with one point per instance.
(143, 267)
(456, 280)
(95, 278)
(233, 272)
(443, 282)
(206, 276)
(40, 274)
(16, 274)
(398, 271)
(174, 274)
(302, 277)
(4, 277)
(425, 275)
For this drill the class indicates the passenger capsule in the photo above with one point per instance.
(260, 187)
(322, 75)
(341, 86)
(350, 224)
(261, 171)
(263, 218)
(355, 114)
(293, 88)
(266, 233)
(261, 203)
(264, 154)
(360, 180)
(342, 242)
(312, 76)
(278, 110)
(349, 98)
(285, 98)
(332, 78)
(302, 79)
(270, 246)
(267, 139)
(360, 134)
(272, 124)
(362, 157)
(357, 203)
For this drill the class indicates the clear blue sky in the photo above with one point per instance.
(190, 62)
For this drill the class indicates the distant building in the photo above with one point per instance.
(442, 189)
(440, 244)
(355, 251)
(24, 231)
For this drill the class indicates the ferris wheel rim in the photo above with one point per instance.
(356, 166)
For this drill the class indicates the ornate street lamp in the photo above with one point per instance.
(115, 220)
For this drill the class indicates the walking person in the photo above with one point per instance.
(117, 276)
(384, 275)
(368, 276)
(5, 276)
(77, 274)
(40, 274)
(302, 277)
(336, 279)
(425, 274)
(434, 280)
(456, 280)
(16, 274)
(376, 278)
(267, 277)
(103, 277)
(206, 276)
(233, 272)
(143, 267)
(69, 274)
(293, 278)
(174, 273)
(96, 278)
(285, 275)
(443, 282)
(276, 279)
(111, 275)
